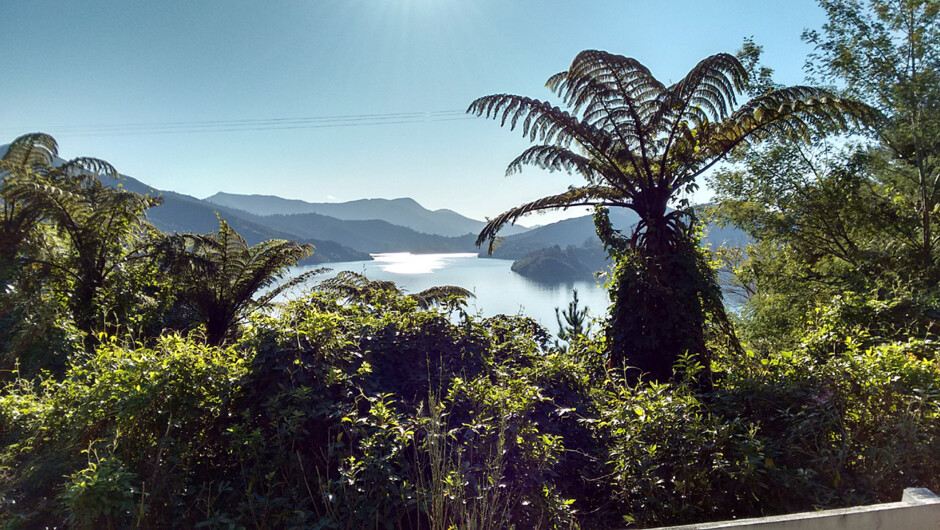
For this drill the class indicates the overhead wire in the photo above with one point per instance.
(267, 124)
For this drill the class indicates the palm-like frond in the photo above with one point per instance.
(442, 295)
(615, 92)
(555, 158)
(22, 162)
(81, 202)
(88, 166)
(706, 93)
(584, 196)
(222, 273)
(355, 287)
(546, 123)
(289, 284)
(637, 143)
(35, 149)
(69, 194)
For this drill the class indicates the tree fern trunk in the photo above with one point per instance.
(658, 313)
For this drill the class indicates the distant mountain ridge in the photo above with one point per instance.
(183, 213)
(579, 231)
(403, 211)
(334, 239)
(570, 249)
(373, 236)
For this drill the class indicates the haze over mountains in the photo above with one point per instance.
(403, 211)
(579, 232)
(183, 213)
(350, 231)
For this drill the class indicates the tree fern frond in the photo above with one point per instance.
(442, 295)
(554, 158)
(625, 76)
(716, 79)
(800, 111)
(293, 282)
(223, 273)
(39, 192)
(355, 287)
(540, 120)
(550, 124)
(616, 92)
(88, 166)
(264, 266)
(34, 149)
(584, 196)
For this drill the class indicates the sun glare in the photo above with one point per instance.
(408, 263)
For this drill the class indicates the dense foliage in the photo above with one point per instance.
(379, 413)
(147, 381)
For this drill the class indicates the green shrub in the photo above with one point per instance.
(381, 414)
(158, 409)
(101, 495)
(854, 427)
(672, 461)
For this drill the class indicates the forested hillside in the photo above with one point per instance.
(367, 236)
(571, 249)
(148, 378)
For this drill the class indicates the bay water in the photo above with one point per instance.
(498, 290)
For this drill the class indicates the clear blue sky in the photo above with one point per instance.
(138, 83)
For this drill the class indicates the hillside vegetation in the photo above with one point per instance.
(147, 379)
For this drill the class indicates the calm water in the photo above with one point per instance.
(498, 289)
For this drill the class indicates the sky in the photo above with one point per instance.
(337, 100)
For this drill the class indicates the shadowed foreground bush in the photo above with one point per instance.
(379, 414)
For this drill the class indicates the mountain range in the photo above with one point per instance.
(404, 211)
(353, 230)
(580, 232)
(184, 213)
(570, 249)
(369, 236)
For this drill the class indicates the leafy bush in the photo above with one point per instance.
(672, 461)
(854, 427)
(377, 413)
(101, 495)
(156, 409)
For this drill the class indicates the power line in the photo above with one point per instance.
(268, 124)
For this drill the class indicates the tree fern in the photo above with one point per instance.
(100, 225)
(640, 144)
(355, 287)
(222, 274)
(24, 161)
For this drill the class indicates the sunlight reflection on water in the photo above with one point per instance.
(498, 290)
(408, 263)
